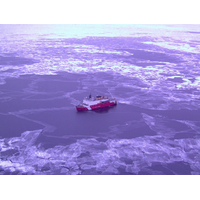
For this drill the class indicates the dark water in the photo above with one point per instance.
(45, 70)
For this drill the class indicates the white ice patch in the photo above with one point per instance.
(130, 155)
(21, 145)
(57, 56)
(176, 45)
(94, 49)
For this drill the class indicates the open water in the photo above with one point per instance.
(152, 70)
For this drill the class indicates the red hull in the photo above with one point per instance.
(81, 108)
(96, 106)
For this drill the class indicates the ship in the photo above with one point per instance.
(93, 103)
